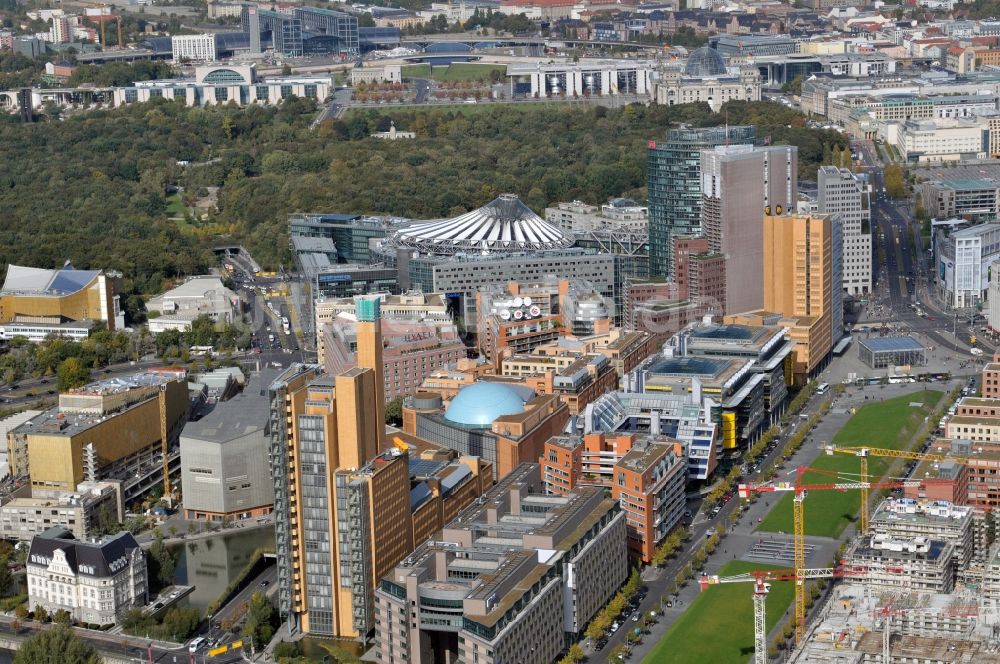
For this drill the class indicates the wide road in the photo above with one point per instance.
(120, 645)
(903, 272)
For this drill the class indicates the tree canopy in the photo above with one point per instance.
(57, 645)
(94, 188)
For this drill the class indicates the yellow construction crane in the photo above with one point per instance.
(864, 452)
(762, 579)
(800, 489)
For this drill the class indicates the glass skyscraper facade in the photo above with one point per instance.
(675, 186)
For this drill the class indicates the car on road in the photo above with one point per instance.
(264, 584)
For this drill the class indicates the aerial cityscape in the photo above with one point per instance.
(500, 332)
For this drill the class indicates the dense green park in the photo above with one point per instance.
(97, 187)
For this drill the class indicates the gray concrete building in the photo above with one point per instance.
(224, 464)
(515, 578)
(841, 192)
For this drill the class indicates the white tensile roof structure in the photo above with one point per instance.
(505, 224)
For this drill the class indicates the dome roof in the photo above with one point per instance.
(477, 405)
(505, 224)
(704, 62)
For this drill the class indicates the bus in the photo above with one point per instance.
(823, 388)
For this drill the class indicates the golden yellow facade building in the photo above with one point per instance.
(350, 503)
(99, 430)
(36, 295)
(798, 287)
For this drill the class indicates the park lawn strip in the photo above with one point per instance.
(888, 424)
(718, 626)
(459, 71)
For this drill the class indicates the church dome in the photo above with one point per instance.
(705, 62)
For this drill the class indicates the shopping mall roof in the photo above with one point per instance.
(502, 225)
(39, 281)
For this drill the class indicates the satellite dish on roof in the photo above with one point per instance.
(527, 301)
(505, 314)
(535, 311)
(518, 301)
(518, 314)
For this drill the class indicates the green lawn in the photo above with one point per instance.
(888, 424)
(175, 206)
(458, 71)
(718, 626)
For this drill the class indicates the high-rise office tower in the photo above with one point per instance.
(674, 187)
(739, 185)
(370, 351)
(347, 510)
(841, 192)
(801, 281)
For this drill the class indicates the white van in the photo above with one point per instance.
(197, 644)
(823, 388)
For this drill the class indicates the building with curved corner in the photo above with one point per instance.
(505, 423)
(53, 298)
(515, 578)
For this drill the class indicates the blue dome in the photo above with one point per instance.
(477, 405)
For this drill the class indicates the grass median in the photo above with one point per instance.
(718, 626)
(886, 424)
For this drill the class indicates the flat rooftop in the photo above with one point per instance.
(118, 384)
(243, 414)
(891, 344)
(689, 366)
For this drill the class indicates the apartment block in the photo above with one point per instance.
(928, 563)
(646, 475)
(515, 578)
(903, 518)
(194, 48)
(680, 417)
(81, 512)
